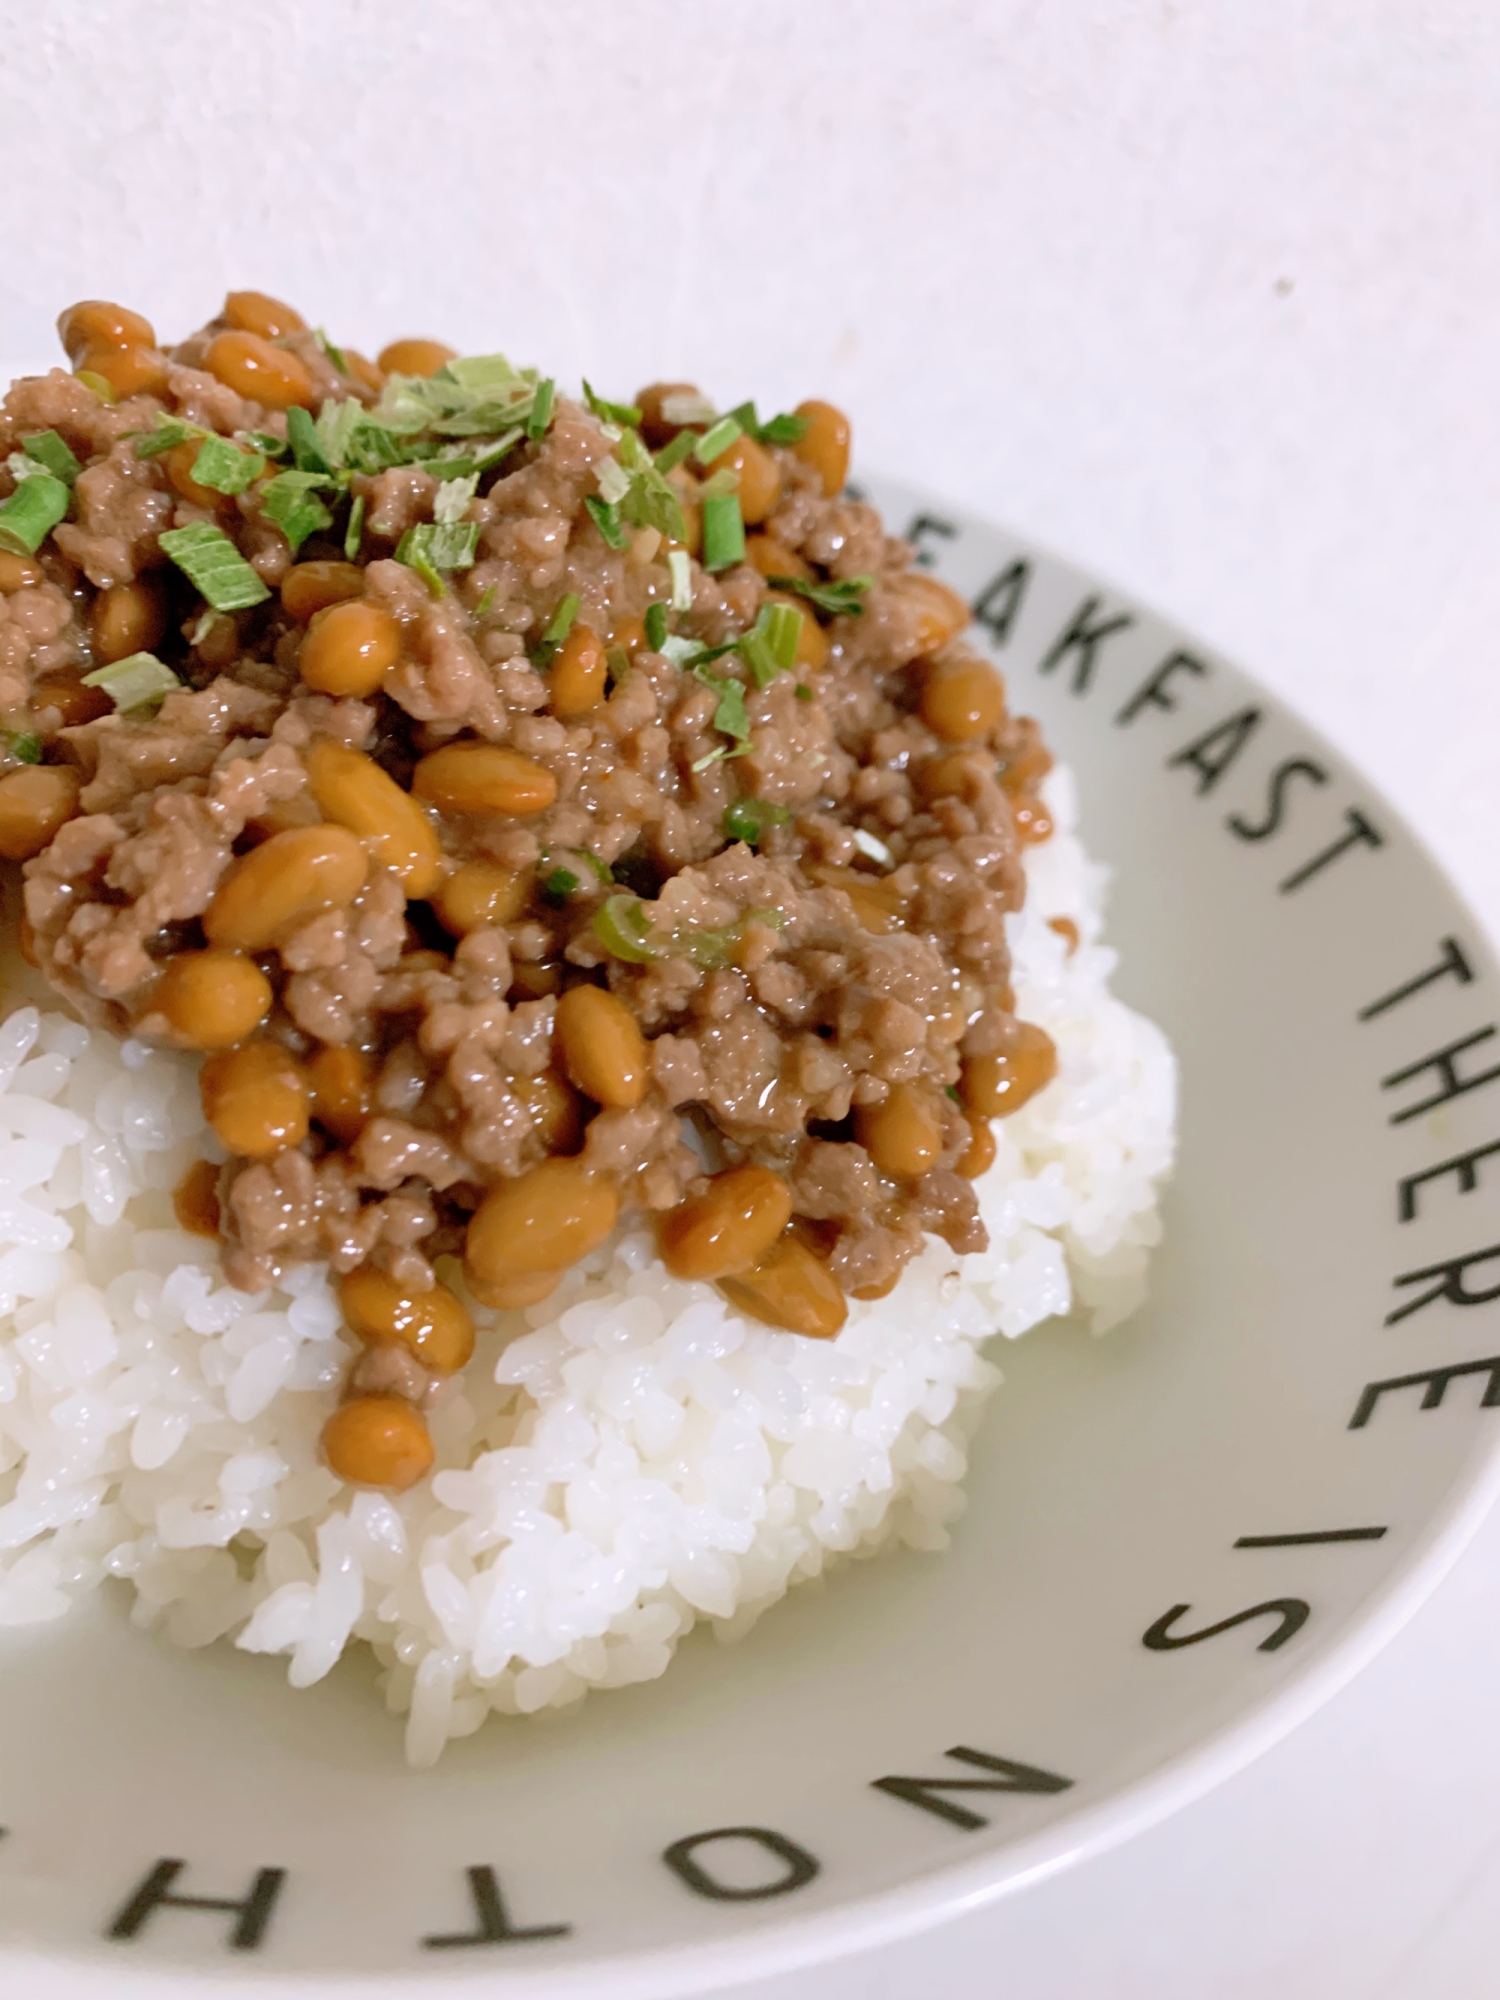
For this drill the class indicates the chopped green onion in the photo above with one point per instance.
(560, 883)
(783, 430)
(673, 454)
(138, 681)
(354, 533)
(25, 749)
(730, 714)
(335, 354)
(607, 520)
(747, 819)
(208, 558)
(302, 436)
(32, 512)
(614, 482)
(802, 691)
(656, 626)
(616, 664)
(483, 607)
(682, 651)
(541, 410)
(224, 467)
(725, 480)
(723, 531)
(687, 406)
(601, 868)
(97, 384)
(844, 596)
(876, 849)
(680, 563)
(264, 441)
(168, 434)
(778, 430)
(714, 443)
(290, 502)
(949, 1091)
(459, 465)
(612, 413)
(439, 545)
(52, 453)
(417, 558)
(651, 502)
(770, 646)
(622, 927)
(452, 497)
(562, 620)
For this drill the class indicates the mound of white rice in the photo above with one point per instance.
(613, 1465)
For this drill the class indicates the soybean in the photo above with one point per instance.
(349, 648)
(995, 1086)
(478, 894)
(483, 778)
(728, 1227)
(790, 1288)
(36, 802)
(962, 700)
(578, 676)
(353, 792)
(414, 357)
(258, 312)
(311, 587)
(903, 1135)
(542, 1220)
(280, 884)
(378, 1441)
(261, 373)
(213, 998)
(434, 1326)
(603, 1049)
(255, 1099)
(339, 1080)
(127, 618)
(824, 445)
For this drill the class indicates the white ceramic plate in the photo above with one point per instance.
(1180, 1538)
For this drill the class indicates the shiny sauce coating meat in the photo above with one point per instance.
(535, 812)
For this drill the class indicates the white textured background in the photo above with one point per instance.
(1202, 294)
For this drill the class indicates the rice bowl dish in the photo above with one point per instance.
(631, 1451)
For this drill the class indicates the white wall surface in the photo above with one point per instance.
(1204, 294)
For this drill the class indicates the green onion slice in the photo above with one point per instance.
(611, 413)
(32, 512)
(676, 451)
(307, 446)
(25, 749)
(723, 531)
(622, 927)
(208, 558)
(607, 520)
(717, 441)
(138, 681)
(844, 597)
(290, 501)
(224, 467)
(354, 533)
(747, 819)
(680, 563)
(52, 453)
(656, 626)
(541, 410)
(562, 620)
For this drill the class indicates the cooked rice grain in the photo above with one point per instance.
(616, 1464)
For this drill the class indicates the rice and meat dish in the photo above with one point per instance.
(561, 1009)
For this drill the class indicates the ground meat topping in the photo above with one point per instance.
(532, 824)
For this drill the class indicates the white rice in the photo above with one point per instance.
(614, 1465)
